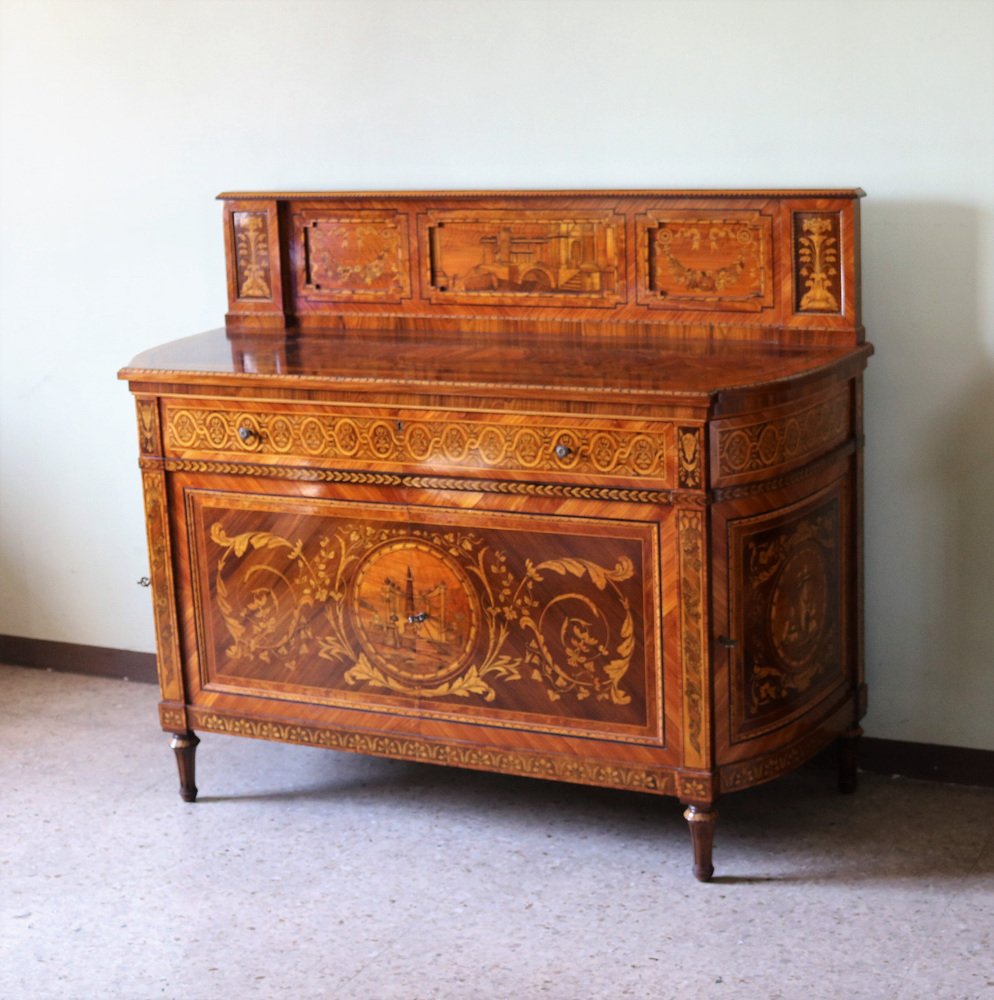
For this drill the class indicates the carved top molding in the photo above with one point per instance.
(538, 193)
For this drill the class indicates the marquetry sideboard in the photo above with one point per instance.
(557, 484)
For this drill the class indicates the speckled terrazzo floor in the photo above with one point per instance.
(309, 874)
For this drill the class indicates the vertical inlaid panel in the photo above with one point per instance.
(690, 458)
(149, 434)
(817, 265)
(693, 641)
(163, 594)
(253, 274)
(252, 255)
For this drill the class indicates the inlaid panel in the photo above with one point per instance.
(538, 621)
(253, 263)
(252, 255)
(788, 571)
(160, 565)
(353, 256)
(553, 258)
(706, 259)
(817, 266)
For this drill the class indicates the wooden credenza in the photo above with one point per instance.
(565, 485)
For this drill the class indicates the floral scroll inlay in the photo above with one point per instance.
(427, 613)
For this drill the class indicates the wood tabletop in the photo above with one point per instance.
(651, 365)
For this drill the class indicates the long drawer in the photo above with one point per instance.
(516, 445)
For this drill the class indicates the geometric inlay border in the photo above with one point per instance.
(533, 765)
(415, 481)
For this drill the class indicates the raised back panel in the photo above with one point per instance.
(747, 261)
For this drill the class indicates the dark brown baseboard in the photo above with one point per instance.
(69, 657)
(927, 761)
(921, 761)
(924, 761)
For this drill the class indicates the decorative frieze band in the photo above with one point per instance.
(759, 769)
(515, 488)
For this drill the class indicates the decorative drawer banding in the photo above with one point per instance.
(428, 441)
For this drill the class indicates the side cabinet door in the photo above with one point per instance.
(784, 616)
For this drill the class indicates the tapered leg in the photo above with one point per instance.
(849, 759)
(702, 820)
(185, 745)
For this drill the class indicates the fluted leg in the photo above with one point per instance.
(849, 759)
(185, 746)
(702, 820)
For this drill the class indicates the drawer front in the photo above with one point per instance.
(542, 623)
(754, 447)
(438, 441)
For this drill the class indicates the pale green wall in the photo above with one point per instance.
(119, 122)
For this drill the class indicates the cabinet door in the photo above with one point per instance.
(785, 605)
(546, 621)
